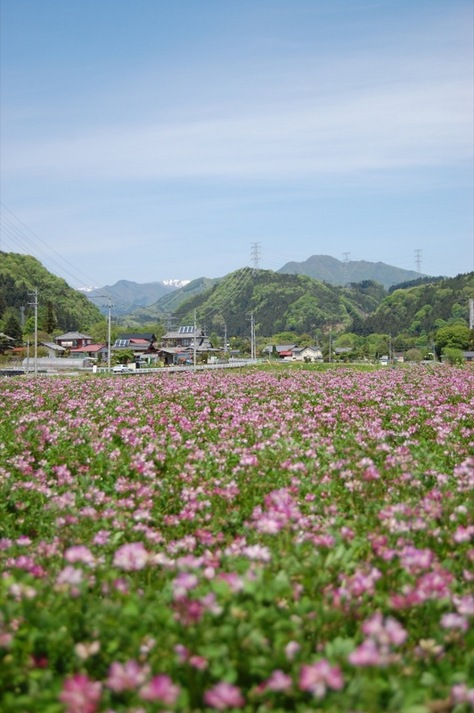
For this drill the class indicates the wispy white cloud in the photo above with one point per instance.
(377, 129)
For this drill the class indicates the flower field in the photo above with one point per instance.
(288, 541)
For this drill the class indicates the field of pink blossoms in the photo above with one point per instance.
(258, 541)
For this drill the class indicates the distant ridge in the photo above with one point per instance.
(336, 272)
(128, 296)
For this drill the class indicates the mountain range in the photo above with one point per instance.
(165, 296)
(336, 272)
(276, 302)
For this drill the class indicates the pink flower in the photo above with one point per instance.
(79, 553)
(183, 582)
(160, 688)
(462, 694)
(317, 677)
(278, 681)
(454, 621)
(126, 677)
(224, 695)
(367, 654)
(80, 694)
(131, 557)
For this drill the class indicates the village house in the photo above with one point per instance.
(72, 340)
(142, 344)
(307, 354)
(95, 351)
(178, 346)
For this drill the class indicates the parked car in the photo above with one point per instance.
(121, 368)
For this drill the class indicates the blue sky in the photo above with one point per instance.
(155, 139)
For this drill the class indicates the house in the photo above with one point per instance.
(72, 340)
(187, 336)
(138, 342)
(178, 346)
(280, 350)
(54, 350)
(307, 354)
(95, 351)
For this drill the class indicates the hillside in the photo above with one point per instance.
(335, 272)
(279, 302)
(421, 309)
(170, 302)
(68, 308)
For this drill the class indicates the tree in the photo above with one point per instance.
(13, 330)
(454, 356)
(454, 336)
(413, 355)
(49, 322)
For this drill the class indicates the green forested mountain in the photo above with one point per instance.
(337, 272)
(279, 302)
(59, 306)
(421, 309)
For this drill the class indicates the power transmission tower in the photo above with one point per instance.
(346, 257)
(255, 256)
(418, 254)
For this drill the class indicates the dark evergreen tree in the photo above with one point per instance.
(13, 330)
(50, 322)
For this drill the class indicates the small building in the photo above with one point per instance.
(54, 350)
(72, 340)
(95, 351)
(140, 343)
(308, 354)
(187, 336)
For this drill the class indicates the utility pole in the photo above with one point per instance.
(109, 325)
(330, 346)
(34, 294)
(225, 338)
(194, 350)
(253, 349)
(109, 332)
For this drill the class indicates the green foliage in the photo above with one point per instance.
(21, 274)
(413, 355)
(422, 309)
(456, 336)
(453, 356)
(12, 329)
(280, 302)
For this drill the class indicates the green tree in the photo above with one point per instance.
(49, 321)
(454, 356)
(13, 329)
(413, 355)
(456, 336)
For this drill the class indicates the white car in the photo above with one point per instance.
(121, 368)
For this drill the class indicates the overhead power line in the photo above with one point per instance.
(20, 235)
